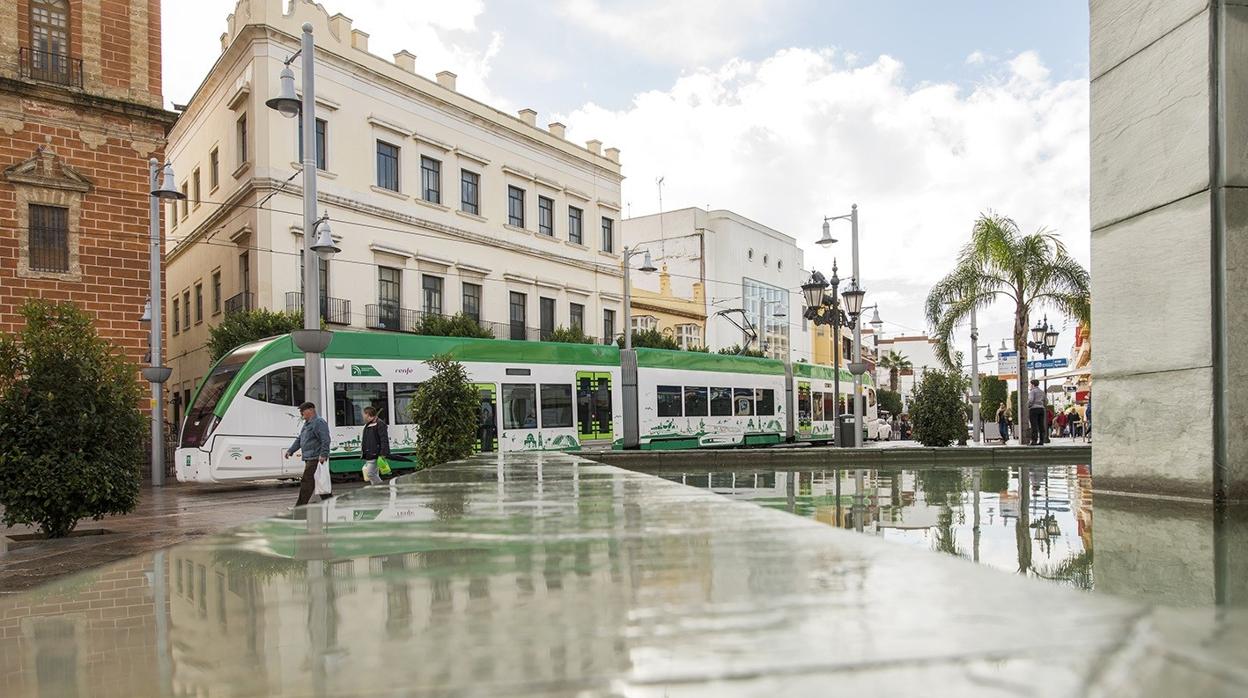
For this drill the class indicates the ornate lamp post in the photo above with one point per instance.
(824, 308)
(157, 373)
(856, 367)
(647, 265)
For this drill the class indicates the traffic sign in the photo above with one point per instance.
(1047, 363)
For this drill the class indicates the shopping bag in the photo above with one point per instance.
(383, 465)
(323, 484)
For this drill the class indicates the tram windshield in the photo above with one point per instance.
(200, 419)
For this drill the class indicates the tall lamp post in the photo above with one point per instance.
(1044, 342)
(856, 367)
(317, 238)
(157, 373)
(824, 308)
(647, 265)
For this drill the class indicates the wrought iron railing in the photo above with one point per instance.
(46, 66)
(380, 316)
(335, 311)
(240, 302)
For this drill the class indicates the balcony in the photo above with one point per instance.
(392, 318)
(240, 303)
(335, 311)
(45, 66)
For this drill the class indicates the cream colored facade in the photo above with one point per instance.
(682, 319)
(239, 235)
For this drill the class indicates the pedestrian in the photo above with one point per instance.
(485, 425)
(1035, 413)
(1061, 422)
(1003, 423)
(1087, 420)
(1074, 421)
(374, 443)
(312, 444)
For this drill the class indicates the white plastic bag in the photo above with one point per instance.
(323, 484)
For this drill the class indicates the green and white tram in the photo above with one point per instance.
(544, 395)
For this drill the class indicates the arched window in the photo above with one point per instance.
(49, 38)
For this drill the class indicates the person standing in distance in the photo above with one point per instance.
(313, 445)
(374, 443)
(1035, 412)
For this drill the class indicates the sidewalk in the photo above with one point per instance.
(165, 516)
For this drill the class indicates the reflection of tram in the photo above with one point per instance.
(542, 395)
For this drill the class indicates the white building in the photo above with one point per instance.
(441, 204)
(751, 276)
(919, 349)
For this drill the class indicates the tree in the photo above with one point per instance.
(891, 401)
(457, 325)
(651, 339)
(736, 350)
(238, 329)
(999, 262)
(71, 433)
(992, 394)
(569, 335)
(895, 363)
(445, 412)
(937, 411)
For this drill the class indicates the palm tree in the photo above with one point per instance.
(895, 363)
(1032, 271)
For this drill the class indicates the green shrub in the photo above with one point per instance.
(237, 329)
(938, 411)
(569, 335)
(457, 325)
(651, 339)
(445, 413)
(890, 401)
(736, 350)
(992, 392)
(71, 433)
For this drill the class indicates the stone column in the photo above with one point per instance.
(1169, 152)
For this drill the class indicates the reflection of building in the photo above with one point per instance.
(749, 276)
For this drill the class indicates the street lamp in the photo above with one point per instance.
(824, 308)
(647, 265)
(856, 367)
(1043, 342)
(161, 184)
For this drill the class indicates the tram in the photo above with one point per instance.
(544, 396)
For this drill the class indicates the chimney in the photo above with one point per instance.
(595, 146)
(613, 154)
(698, 296)
(405, 60)
(528, 116)
(447, 79)
(665, 282)
(340, 25)
(557, 129)
(359, 40)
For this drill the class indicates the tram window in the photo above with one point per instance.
(695, 402)
(519, 406)
(259, 390)
(818, 416)
(721, 402)
(279, 387)
(296, 386)
(742, 402)
(669, 400)
(829, 402)
(766, 402)
(556, 406)
(350, 399)
(404, 393)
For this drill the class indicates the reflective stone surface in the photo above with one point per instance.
(547, 575)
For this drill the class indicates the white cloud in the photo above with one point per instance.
(976, 58)
(801, 134)
(683, 33)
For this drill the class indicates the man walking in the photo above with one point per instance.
(313, 445)
(1035, 412)
(374, 443)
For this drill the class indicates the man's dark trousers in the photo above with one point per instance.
(1036, 415)
(308, 484)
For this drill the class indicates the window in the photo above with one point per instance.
(695, 402)
(186, 309)
(546, 216)
(689, 335)
(387, 166)
(173, 215)
(404, 393)
(546, 309)
(575, 216)
(469, 192)
(214, 169)
(766, 402)
(608, 326)
(186, 200)
(199, 303)
(515, 207)
(177, 316)
(283, 386)
(742, 402)
(389, 296)
(472, 301)
(195, 186)
(49, 39)
(322, 268)
(216, 292)
(517, 315)
(49, 238)
(350, 399)
(519, 406)
(829, 405)
(431, 287)
(608, 235)
(576, 317)
(822, 410)
(240, 132)
(669, 397)
(556, 406)
(721, 402)
(431, 180)
(320, 142)
(645, 323)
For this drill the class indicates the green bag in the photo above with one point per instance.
(383, 465)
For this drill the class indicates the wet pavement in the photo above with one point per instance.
(550, 575)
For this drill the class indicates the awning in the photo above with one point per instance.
(1038, 375)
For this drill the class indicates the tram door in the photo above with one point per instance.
(487, 402)
(804, 414)
(593, 406)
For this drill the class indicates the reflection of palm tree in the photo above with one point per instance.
(946, 540)
(1022, 528)
(895, 363)
(1075, 570)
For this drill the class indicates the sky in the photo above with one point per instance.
(925, 114)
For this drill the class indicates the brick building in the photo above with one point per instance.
(80, 114)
